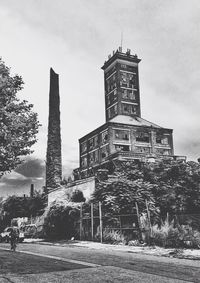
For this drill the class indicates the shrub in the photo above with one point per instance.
(77, 196)
(169, 236)
(166, 235)
(60, 222)
(190, 237)
(112, 237)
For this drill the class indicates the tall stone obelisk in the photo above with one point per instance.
(53, 157)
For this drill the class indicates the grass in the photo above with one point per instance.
(20, 263)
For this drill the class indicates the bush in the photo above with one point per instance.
(77, 196)
(169, 236)
(60, 222)
(112, 237)
(166, 235)
(190, 237)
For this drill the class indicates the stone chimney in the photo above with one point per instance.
(53, 157)
(32, 191)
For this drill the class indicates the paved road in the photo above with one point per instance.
(114, 266)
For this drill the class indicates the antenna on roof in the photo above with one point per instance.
(121, 40)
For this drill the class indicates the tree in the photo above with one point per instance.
(121, 195)
(169, 186)
(15, 206)
(178, 187)
(36, 204)
(18, 123)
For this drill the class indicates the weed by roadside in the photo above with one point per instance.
(170, 236)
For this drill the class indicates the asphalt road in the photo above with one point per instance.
(105, 266)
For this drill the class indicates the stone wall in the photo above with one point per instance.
(87, 186)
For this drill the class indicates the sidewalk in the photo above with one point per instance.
(193, 254)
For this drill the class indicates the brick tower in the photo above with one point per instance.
(53, 157)
(121, 84)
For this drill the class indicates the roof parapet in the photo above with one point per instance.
(119, 54)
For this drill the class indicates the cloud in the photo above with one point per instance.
(14, 176)
(32, 168)
(19, 181)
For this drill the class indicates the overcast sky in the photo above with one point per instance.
(75, 38)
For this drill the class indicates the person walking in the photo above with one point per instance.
(14, 234)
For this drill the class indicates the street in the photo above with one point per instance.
(71, 263)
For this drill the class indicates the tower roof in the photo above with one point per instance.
(133, 121)
(120, 55)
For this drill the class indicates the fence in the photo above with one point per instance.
(94, 222)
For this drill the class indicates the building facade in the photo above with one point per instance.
(125, 134)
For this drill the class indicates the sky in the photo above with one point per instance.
(75, 38)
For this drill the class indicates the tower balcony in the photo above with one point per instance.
(130, 155)
(82, 173)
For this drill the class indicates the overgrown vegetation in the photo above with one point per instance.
(113, 237)
(60, 222)
(169, 186)
(15, 206)
(169, 235)
(120, 195)
(77, 196)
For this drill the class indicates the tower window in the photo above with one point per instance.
(124, 94)
(108, 100)
(123, 66)
(110, 84)
(104, 152)
(132, 95)
(83, 161)
(162, 140)
(122, 147)
(93, 157)
(128, 109)
(142, 137)
(165, 140)
(96, 156)
(112, 70)
(104, 137)
(128, 94)
(96, 141)
(91, 143)
(158, 140)
(112, 111)
(112, 97)
(84, 147)
(109, 114)
(121, 135)
(127, 80)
